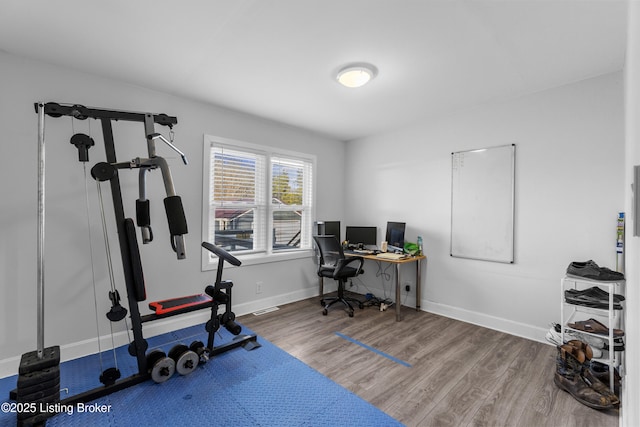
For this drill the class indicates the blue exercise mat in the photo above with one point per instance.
(262, 387)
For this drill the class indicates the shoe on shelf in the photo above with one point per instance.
(618, 344)
(594, 292)
(594, 327)
(554, 337)
(593, 297)
(594, 342)
(601, 371)
(591, 270)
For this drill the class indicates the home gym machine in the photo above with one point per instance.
(39, 371)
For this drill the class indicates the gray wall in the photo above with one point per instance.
(70, 317)
(569, 190)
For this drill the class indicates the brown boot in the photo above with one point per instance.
(568, 377)
(582, 347)
(583, 353)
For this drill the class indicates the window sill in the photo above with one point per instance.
(255, 259)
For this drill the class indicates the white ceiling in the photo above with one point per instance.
(276, 58)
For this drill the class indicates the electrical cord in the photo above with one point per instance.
(371, 299)
(385, 278)
(382, 272)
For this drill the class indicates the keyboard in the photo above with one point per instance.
(363, 251)
(390, 255)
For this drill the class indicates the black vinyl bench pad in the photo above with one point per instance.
(181, 304)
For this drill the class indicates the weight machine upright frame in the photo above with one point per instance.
(139, 345)
(106, 118)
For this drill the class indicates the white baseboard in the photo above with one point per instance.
(523, 330)
(9, 366)
(253, 306)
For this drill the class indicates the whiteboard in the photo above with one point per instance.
(482, 203)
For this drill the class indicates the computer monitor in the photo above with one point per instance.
(366, 236)
(395, 235)
(327, 228)
(332, 228)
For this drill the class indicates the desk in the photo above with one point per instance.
(397, 263)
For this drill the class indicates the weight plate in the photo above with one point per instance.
(163, 369)
(187, 362)
(31, 362)
(153, 356)
(24, 391)
(177, 350)
(27, 380)
(41, 394)
(196, 345)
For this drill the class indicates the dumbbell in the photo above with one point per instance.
(186, 360)
(160, 366)
(198, 348)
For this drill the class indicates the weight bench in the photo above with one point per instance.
(215, 295)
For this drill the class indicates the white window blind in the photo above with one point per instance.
(291, 202)
(238, 184)
(259, 200)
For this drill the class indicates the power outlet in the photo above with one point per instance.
(258, 287)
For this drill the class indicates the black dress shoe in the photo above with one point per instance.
(591, 270)
(595, 292)
(593, 297)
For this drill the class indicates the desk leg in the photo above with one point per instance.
(418, 282)
(398, 282)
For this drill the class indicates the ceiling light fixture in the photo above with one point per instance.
(356, 75)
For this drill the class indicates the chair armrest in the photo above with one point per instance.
(345, 262)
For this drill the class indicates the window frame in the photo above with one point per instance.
(210, 262)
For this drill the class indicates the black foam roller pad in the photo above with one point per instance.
(143, 217)
(175, 216)
(136, 262)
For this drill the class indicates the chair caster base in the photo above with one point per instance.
(345, 301)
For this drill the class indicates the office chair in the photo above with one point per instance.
(333, 264)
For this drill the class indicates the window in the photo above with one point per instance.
(258, 200)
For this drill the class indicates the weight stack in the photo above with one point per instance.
(38, 388)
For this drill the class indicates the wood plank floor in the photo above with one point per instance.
(459, 374)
